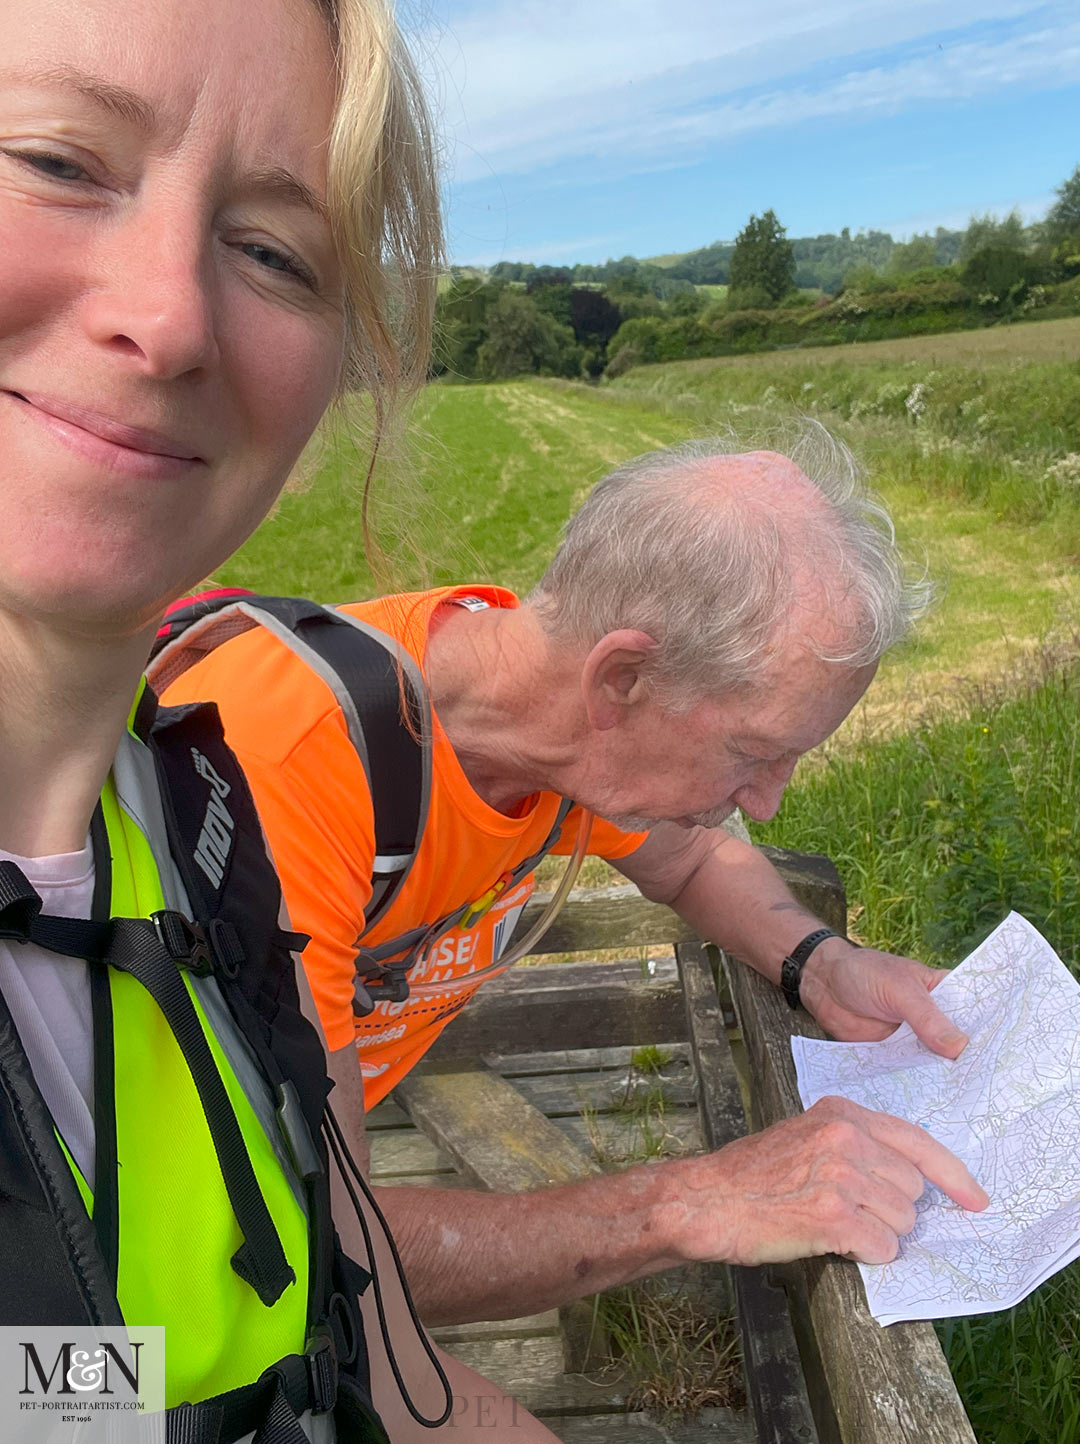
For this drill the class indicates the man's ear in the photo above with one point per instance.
(611, 681)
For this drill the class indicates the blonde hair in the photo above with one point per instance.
(383, 199)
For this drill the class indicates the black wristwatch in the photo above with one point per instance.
(792, 966)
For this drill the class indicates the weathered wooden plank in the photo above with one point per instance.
(886, 1385)
(495, 1138)
(572, 1060)
(710, 1426)
(775, 1385)
(404, 1152)
(532, 1326)
(569, 1094)
(501, 1142)
(619, 917)
(623, 1138)
(386, 1114)
(567, 1006)
(531, 1371)
(450, 1179)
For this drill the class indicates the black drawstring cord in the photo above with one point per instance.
(346, 1165)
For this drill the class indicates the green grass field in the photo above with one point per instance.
(953, 792)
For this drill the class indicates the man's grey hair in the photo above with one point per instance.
(657, 548)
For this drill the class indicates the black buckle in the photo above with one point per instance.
(19, 903)
(322, 1367)
(184, 941)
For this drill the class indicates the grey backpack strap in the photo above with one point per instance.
(380, 966)
(382, 696)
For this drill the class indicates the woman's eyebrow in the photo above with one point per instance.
(115, 98)
(285, 186)
(135, 109)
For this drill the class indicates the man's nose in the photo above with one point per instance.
(761, 797)
(151, 298)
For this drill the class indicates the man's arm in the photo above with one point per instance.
(836, 1179)
(730, 893)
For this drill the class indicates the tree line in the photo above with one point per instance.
(595, 320)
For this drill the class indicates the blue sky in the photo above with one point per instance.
(575, 130)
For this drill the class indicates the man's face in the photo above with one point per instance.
(697, 767)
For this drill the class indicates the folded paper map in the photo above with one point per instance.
(1009, 1106)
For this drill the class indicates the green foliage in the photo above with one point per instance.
(763, 257)
(1063, 218)
(913, 255)
(460, 325)
(939, 832)
(520, 339)
(988, 230)
(1016, 1371)
(1000, 276)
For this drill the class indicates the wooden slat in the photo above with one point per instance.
(530, 1371)
(775, 1385)
(619, 917)
(886, 1385)
(404, 1152)
(572, 1060)
(532, 1326)
(501, 1142)
(494, 1137)
(710, 1426)
(569, 1094)
(567, 1006)
(624, 1138)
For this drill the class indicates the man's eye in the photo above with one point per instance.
(281, 261)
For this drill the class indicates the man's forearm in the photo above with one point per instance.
(471, 1255)
(739, 901)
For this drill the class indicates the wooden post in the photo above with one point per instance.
(775, 1385)
(886, 1385)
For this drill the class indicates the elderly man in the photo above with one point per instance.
(708, 619)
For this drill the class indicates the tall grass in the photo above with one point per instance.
(940, 831)
(996, 434)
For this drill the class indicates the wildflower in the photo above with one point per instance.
(1065, 471)
(916, 400)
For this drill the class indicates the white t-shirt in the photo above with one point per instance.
(49, 998)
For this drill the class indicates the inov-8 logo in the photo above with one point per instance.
(76, 1371)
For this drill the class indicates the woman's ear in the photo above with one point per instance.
(612, 684)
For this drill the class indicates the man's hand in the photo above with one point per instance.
(860, 995)
(836, 1179)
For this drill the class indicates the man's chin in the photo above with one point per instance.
(627, 822)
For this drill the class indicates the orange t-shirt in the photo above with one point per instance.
(287, 730)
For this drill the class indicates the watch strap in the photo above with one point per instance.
(792, 967)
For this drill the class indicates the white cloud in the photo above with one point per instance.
(642, 82)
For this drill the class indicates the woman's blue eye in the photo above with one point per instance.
(279, 261)
(56, 167)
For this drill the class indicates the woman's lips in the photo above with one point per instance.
(128, 449)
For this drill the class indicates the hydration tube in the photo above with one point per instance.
(527, 943)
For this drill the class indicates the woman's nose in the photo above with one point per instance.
(152, 302)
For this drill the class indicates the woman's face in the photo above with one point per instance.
(171, 326)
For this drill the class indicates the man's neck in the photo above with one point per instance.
(495, 689)
(64, 702)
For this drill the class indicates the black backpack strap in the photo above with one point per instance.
(382, 696)
(51, 1268)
